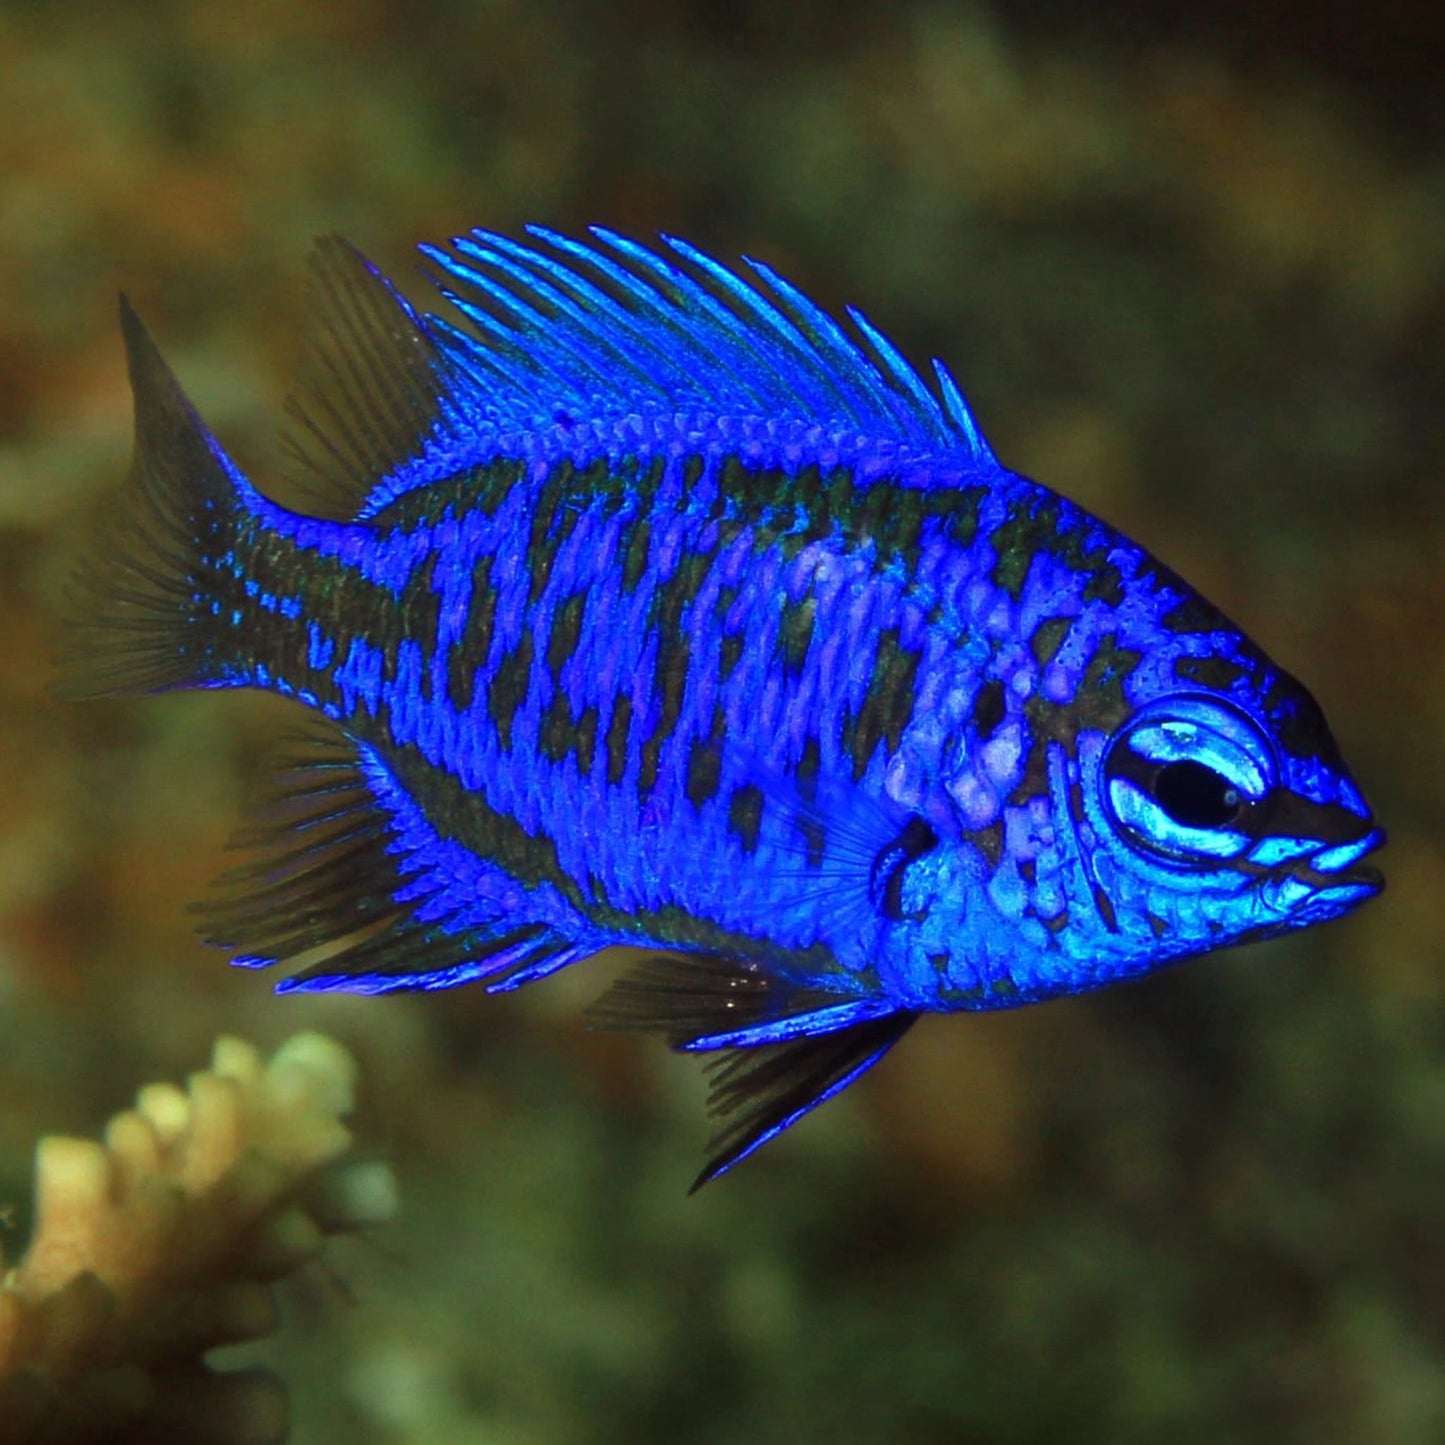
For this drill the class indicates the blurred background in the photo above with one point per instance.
(1191, 272)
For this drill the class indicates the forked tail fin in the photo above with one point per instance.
(147, 609)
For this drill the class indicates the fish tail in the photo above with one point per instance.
(145, 611)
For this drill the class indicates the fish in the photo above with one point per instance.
(637, 601)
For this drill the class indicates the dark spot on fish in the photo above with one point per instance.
(888, 705)
(1049, 637)
(1157, 926)
(1213, 672)
(543, 540)
(938, 962)
(1030, 526)
(557, 733)
(566, 633)
(692, 469)
(469, 651)
(989, 841)
(1105, 906)
(729, 653)
(1106, 586)
(586, 739)
(478, 489)
(456, 811)
(617, 730)
(745, 815)
(704, 771)
(795, 633)
(1029, 870)
(1193, 614)
(670, 680)
(815, 838)
(806, 772)
(509, 688)
(1058, 923)
(988, 708)
(1100, 699)
(634, 558)
(419, 619)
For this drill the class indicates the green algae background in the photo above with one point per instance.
(1192, 275)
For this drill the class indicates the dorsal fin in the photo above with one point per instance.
(371, 403)
(615, 328)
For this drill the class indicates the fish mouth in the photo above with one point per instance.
(1338, 864)
(1328, 880)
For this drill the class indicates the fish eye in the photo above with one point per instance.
(1180, 777)
(1195, 795)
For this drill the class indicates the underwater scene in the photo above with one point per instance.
(757, 920)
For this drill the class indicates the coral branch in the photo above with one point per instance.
(162, 1244)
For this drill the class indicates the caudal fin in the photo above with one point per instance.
(143, 608)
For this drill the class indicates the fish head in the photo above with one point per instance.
(1222, 815)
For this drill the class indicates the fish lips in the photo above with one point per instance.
(1333, 875)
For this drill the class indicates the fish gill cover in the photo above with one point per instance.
(642, 604)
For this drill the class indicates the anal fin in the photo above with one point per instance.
(334, 894)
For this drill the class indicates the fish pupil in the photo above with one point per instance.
(1196, 796)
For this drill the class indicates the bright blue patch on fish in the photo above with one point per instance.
(643, 603)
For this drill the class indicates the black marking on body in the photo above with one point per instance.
(670, 680)
(704, 761)
(989, 708)
(989, 841)
(1157, 926)
(586, 739)
(670, 605)
(806, 771)
(888, 704)
(480, 489)
(1105, 906)
(509, 688)
(730, 652)
(795, 633)
(1192, 613)
(420, 609)
(745, 815)
(457, 812)
(1036, 524)
(1099, 703)
(566, 634)
(618, 727)
(1048, 638)
(558, 733)
(1057, 924)
(1212, 672)
(815, 838)
(542, 542)
(469, 652)
(634, 558)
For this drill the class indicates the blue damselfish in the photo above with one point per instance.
(643, 603)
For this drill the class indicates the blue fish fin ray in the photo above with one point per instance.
(962, 416)
(331, 893)
(756, 1093)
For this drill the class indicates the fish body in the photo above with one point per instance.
(647, 607)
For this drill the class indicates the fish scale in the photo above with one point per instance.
(642, 604)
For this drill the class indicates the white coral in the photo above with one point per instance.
(162, 1244)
